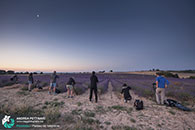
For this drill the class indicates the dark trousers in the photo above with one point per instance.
(91, 94)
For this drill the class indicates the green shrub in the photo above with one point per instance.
(23, 93)
(172, 112)
(55, 99)
(89, 114)
(84, 128)
(76, 112)
(24, 88)
(121, 108)
(52, 115)
(54, 103)
(159, 125)
(68, 118)
(46, 103)
(118, 127)
(21, 111)
(89, 121)
(132, 120)
(118, 107)
(107, 123)
(44, 107)
(79, 103)
(129, 110)
(24, 111)
(129, 128)
(100, 109)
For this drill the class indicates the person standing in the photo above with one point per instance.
(93, 87)
(70, 86)
(161, 84)
(53, 82)
(30, 81)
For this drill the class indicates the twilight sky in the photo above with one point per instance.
(85, 35)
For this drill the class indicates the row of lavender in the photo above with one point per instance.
(141, 84)
(82, 81)
(181, 89)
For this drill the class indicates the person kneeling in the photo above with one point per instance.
(70, 87)
(125, 92)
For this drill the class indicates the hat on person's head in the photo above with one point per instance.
(93, 72)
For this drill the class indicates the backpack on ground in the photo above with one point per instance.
(170, 102)
(57, 91)
(40, 87)
(138, 104)
(173, 103)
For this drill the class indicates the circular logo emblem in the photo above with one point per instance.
(8, 123)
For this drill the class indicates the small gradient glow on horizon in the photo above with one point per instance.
(96, 35)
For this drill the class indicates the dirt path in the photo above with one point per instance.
(110, 111)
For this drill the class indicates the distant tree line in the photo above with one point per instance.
(154, 70)
(183, 71)
(169, 74)
(13, 72)
(178, 71)
(7, 72)
(105, 71)
(192, 77)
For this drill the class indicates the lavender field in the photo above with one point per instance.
(181, 89)
(110, 112)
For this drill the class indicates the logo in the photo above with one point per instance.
(8, 123)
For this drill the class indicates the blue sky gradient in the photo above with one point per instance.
(87, 35)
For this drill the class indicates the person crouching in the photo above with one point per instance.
(70, 86)
(125, 92)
